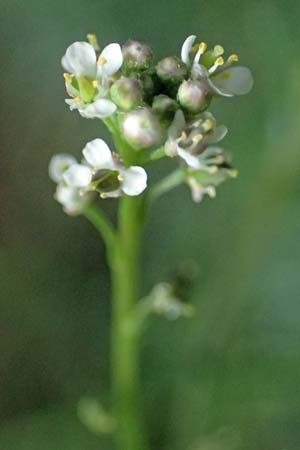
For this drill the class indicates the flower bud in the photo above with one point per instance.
(126, 93)
(137, 56)
(164, 107)
(194, 95)
(171, 69)
(142, 129)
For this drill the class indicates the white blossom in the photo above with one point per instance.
(58, 164)
(190, 142)
(103, 171)
(88, 78)
(69, 196)
(221, 78)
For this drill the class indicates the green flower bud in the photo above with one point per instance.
(126, 93)
(142, 129)
(137, 56)
(148, 85)
(171, 69)
(164, 107)
(194, 95)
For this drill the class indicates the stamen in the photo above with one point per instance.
(208, 124)
(233, 58)
(197, 123)
(218, 50)
(183, 135)
(210, 191)
(102, 60)
(120, 177)
(95, 83)
(218, 62)
(201, 49)
(77, 100)
(212, 169)
(198, 138)
(68, 77)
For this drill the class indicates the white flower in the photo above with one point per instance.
(213, 171)
(58, 164)
(198, 191)
(104, 172)
(88, 78)
(191, 141)
(220, 76)
(70, 197)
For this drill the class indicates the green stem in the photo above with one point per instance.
(125, 337)
(171, 181)
(102, 224)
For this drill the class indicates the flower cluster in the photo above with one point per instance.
(151, 108)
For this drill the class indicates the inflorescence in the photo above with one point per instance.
(153, 110)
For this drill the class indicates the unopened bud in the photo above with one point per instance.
(194, 95)
(126, 93)
(137, 56)
(142, 129)
(171, 69)
(164, 107)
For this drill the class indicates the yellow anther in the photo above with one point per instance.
(208, 124)
(202, 47)
(120, 177)
(212, 169)
(67, 77)
(102, 61)
(77, 100)
(219, 61)
(183, 135)
(198, 138)
(95, 83)
(218, 50)
(233, 58)
(197, 123)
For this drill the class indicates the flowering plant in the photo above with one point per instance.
(153, 111)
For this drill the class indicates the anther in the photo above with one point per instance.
(218, 50)
(67, 77)
(233, 58)
(102, 61)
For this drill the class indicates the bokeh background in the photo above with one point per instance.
(229, 378)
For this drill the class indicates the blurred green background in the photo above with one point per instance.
(227, 379)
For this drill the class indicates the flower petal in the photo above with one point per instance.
(98, 154)
(211, 152)
(191, 160)
(186, 49)
(80, 59)
(70, 198)
(113, 59)
(135, 180)
(233, 81)
(99, 109)
(78, 176)
(218, 134)
(59, 164)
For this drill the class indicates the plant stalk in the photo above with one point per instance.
(125, 337)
